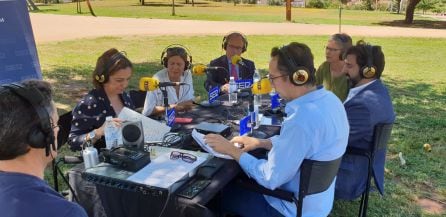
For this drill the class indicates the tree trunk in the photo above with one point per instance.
(410, 10)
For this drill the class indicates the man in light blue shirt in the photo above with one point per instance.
(316, 128)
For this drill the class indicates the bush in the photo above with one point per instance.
(316, 4)
(275, 2)
(249, 1)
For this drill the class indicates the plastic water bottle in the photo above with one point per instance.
(90, 156)
(256, 76)
(257, 99)
(257, 103)
(275, 104)
(111, 133)
(232, 91)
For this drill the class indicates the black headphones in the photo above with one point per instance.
(224, 43)
(41, 136)
(177, 50)
(369, 70)
(104, 75)
(299, 75)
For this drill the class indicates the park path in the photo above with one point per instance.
(49, 27)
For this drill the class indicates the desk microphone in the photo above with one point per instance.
(236, 59)
(263, 86)
(151, 84)
(201, 69)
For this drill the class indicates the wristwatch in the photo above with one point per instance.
(91, 135)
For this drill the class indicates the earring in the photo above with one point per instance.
(100, 79)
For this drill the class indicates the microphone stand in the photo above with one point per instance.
(166, 103)
(256, 134)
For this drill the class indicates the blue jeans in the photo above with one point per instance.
(237, 200)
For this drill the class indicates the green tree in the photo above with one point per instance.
(426, 5)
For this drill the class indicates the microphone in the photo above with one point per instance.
(73, 159)
(263, 86)
(201, 69)
(236, 59)
(151, 84)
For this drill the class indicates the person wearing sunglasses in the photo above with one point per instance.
(329, 74)
(176, 62)
(28, 144)
(315, 128)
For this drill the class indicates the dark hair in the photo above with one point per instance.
(360, 50)
(18, 118)
(176, 51)
(344, 40)
(300, 54)
(107, 64)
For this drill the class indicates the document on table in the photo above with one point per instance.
(154, 131)
(164, 172)
(199, 138)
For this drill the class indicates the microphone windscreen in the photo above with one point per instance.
(261, 87)
(148, 84)
(199, 69)
(235, 59)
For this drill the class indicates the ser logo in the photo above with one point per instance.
(2, 19)
(242, 84)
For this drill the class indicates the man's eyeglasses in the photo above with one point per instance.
(186, 157)
(271, 79)
(235, 47)
(331, 49)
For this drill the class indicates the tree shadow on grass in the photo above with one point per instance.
(45, 10)
(177, 4)
(422, 24)
(158, 4)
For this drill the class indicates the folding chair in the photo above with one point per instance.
(381, 136)
(138, 97)
(62, 138)
(315, 177)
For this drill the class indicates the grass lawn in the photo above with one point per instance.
(413, 73)
(218, 11)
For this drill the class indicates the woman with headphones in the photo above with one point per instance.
(110, 79)
(330, 72)
(176, 62)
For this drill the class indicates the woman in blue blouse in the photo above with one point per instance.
(110, 78)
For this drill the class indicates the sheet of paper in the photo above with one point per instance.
(164, 172)
(154, 131)
(200, 140)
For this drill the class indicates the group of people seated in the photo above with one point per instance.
(327, 110)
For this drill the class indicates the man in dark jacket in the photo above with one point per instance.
(368, 104)
(234, 43)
